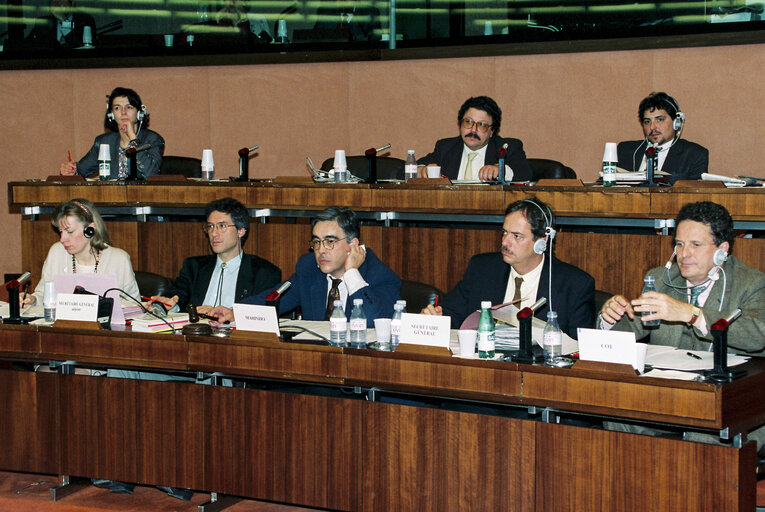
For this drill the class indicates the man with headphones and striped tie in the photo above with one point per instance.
(524, 271)
(663, 122)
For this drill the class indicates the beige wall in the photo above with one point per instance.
(563, 106)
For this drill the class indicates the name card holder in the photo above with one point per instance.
(561, 182)
(600, 366)
(443, 180)
(78, 324)
(270, 337)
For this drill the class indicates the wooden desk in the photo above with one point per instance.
(352, 454)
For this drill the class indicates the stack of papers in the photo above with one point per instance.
(506, 337)
(150, 323)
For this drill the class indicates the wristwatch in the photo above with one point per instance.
(696, 313)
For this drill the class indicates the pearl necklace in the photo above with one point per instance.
(74, 264)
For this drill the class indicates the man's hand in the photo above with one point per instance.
(29, 300)
(430, 309)
(204, 310)
(168, 302)
(615, 308)
(662, 307)
(68, 169)
(223, 314)
(356, 256)
(488, 172)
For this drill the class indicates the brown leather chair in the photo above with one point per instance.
(186, 165)
(418, 295)
(542, 168)
(388, 167)
(150, 284)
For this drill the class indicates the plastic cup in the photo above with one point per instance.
(382, 332)
(169, 40)
(609, 154)
(434, 171)
(467, 339)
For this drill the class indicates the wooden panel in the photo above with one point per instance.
(743, 204)
(126, 348)
(275, 359)
(691, 404)
(133, 430)
(54, 193)
(463, 198)
(19, 339)
(588, 201)
(309, 196)
(193, 194)
(125, 236)
(283, 244)
(436, 256)
(285, 447)
(434, 460)
(448, 377)
(28, 430)
(588, 469)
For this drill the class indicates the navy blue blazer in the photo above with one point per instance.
(685, 161)
(309, 290)
(448, 154)
(486, 279)
(255, 275)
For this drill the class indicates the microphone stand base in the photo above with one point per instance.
(536, 356)
(723, 376)
(16, 321)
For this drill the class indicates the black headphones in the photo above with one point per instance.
(88, 231)
(540, 246)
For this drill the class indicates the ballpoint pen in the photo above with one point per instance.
(691, 354)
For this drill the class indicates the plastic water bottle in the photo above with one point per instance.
(104, 162)
(49, 301)
(395, 325)
(486, 332)
(358, 325)
(610, 160)
(337, 326)
(649, 285)
(410, 166)
(552, 340)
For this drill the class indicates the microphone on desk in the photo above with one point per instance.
(651, 163)
(244, 162)
(501, 154)
(144, 147)
(278, 292)
(14, 310)
(371, 155)
(15, 284)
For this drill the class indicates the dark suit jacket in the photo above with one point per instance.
(148, 161)
(685, 161)
(45, 33)
(255, 275)
(448, 154)
(486, 279)
(309, 290)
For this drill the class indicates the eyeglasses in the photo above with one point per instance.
(481, 125)
(328, 243)
(220, 226)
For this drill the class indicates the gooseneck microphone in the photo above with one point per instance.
(501, 154)
(244, 163)
(278, 292)
(371, 155)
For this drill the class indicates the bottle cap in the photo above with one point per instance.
(552, 315)
(649, 279)
(338, 304)
(358, 302)
(485, 304)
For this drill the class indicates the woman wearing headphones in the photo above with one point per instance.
(126, 119)
(83, 248)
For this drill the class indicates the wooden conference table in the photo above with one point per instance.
(424, 233)
(348, 453)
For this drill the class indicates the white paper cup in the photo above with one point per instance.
(169, 40)
(434, 171)
(339, 162)
(467, 342)
(87, 36)
(609, 154)
(207, 157)
(382, 332)
(104, 152)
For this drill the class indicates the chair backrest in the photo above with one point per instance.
(150, 284)
(186, 165)
(600, 299)
(418, 295)
(542, 168)
(388, 167)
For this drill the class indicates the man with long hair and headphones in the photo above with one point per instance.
(663, 122)
(126, 120)
(703, 284)
(524, 271)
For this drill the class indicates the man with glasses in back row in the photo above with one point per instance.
(227, 275)
(474, 154)
(339, 268)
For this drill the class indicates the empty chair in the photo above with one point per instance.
(542, 168)
(186, 165)
(150, 284)
(388, 167)
(418, 295)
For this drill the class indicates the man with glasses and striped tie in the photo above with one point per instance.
(227, 275)
(473, 155)
(340, 268)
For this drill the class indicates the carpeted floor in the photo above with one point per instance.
(25, 492)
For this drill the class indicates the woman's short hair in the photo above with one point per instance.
(132, 97)
(84, 211)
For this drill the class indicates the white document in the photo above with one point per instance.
(611, 347)
(663, 356)
(76, 306)
(256, 318)
(509, 314)
(430, 330)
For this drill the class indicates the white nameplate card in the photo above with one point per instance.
(76, 306)
(249, 317)
(611, 347)
(425, 330)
